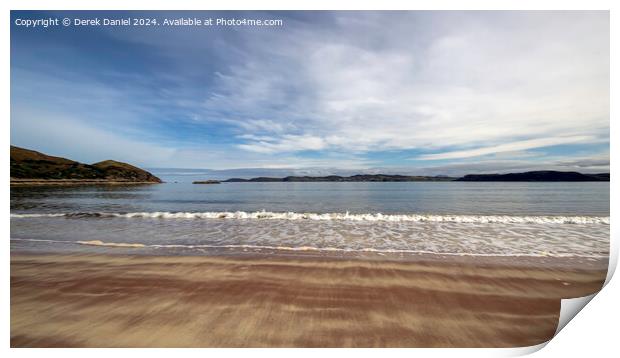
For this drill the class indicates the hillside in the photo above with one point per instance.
(31, 166)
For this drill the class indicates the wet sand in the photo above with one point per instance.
(153, 301)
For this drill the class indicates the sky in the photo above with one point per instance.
(329, 92)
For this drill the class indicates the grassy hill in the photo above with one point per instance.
(32, 165)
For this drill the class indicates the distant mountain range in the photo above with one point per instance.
(547, 175)
(31, 167)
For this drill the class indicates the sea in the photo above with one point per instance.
(508, 219)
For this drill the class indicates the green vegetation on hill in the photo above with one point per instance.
(29, 164)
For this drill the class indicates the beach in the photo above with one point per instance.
(103, 300)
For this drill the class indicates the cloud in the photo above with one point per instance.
(470, 83)
(286, 143)
(508, 147)
(345, 86)
(260, 125)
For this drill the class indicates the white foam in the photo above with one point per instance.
(268, 215)
(114, 244)
(311, 248)
(37, 215)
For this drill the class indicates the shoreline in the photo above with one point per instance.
(71, 182)
(258, 253)
(118, 300)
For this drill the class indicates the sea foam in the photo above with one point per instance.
(369, 217)
(245, 247)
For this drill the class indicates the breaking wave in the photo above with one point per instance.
(267, 215)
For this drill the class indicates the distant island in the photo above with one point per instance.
(29, 167)
(353, 178)
(206, 182)
(546, 175)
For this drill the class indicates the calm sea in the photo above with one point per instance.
(494, 219)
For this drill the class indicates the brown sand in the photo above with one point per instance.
(141, 301)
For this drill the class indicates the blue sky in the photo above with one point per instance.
(327, 92)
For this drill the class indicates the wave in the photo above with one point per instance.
(311, 249)
(267, 215)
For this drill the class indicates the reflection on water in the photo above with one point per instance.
(589, 198)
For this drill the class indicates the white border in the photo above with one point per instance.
(593, 331)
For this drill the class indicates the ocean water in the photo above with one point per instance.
(448, 218)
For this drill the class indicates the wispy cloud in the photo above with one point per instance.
(461, 86)
(286, 143)
(508, 147)
(355, 89)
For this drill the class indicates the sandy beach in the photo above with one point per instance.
(192, 301)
